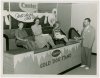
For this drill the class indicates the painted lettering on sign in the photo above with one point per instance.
(27, 16)
(28, 7)
(45, 64)
(55, 60)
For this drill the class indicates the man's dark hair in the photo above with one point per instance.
(89, 20)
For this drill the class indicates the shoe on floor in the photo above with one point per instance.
(82, 65)
(87, 68)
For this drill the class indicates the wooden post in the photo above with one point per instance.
(9, 17)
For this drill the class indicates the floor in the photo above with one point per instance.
(82, 71)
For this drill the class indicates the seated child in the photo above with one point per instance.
(57, 32)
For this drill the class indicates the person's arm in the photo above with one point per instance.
(92, 37)
(53, 33)
(41, 30)
(61, 31)
(45, 20)
(16, 35)
(78, 38)
(33, 35)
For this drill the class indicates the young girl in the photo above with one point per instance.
(57, 32)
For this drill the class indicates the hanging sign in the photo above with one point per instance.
(28, 7)
(27, 16)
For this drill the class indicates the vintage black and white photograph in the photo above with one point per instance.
(49, 38)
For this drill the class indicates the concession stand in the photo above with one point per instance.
(17, 60)
(52, 61)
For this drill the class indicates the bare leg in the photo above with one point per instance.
(26, 47)
(25, 44)
(50, 41)
(33, 44)
(65, 39)
(30, 46)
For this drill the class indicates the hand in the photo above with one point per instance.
(25, 39)
(80, 38)
(76, 38)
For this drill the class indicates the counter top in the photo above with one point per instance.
(19, 51)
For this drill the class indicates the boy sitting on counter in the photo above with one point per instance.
(58, 34)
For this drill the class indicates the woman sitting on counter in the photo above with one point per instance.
(23, 39)
(41, 39)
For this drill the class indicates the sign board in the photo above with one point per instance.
(28, 16)
(29, 7)
(48, 62)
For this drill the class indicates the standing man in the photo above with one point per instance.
(88, 35)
